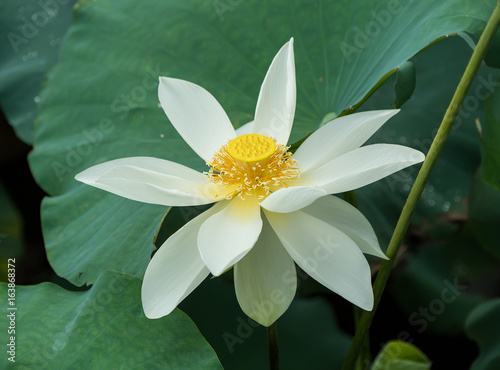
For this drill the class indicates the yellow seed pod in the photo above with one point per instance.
(251, 147)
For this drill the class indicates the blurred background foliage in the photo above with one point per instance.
(78, 87)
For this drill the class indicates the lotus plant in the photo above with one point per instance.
(271, 209)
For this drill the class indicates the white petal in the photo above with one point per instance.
(339, 137)
(196, 115)
(228, 235)
(151, 180)
(326, 254)
(175, 270)
(349, 220)
(247, 128)
(361, 167)
(276, 104)
(265, 279)
(292, 199)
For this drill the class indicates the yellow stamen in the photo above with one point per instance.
(252, 175)
(251, 147)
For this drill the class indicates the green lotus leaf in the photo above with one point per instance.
(32, 32)
(58, 329)
(100, 101)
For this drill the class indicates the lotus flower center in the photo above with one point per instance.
(251, 147)
(252, 165)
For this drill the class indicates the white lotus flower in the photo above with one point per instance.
(271, 207)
